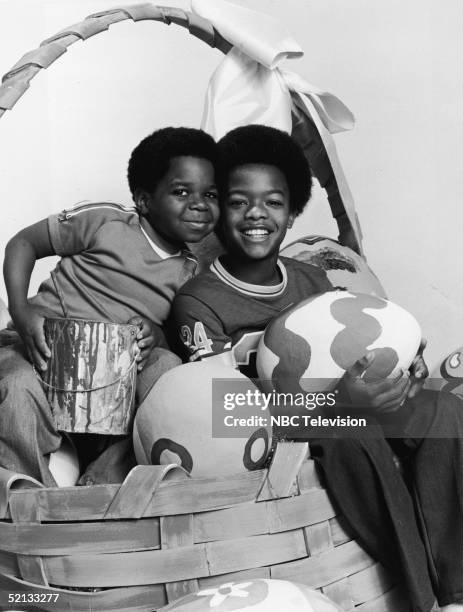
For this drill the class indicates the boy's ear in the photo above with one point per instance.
(289, 225)
(141, 201)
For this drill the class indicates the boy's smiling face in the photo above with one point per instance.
(184, 205)
(255, 211)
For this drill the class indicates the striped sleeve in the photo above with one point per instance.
(73, 230)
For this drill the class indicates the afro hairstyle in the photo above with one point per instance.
(260, 144)
(150, 159)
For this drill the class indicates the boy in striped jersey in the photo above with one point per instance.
(264, 184)
(118, 264)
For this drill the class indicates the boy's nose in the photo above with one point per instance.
(198, 202)
(256, 210)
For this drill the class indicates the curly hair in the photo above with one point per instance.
(260, 144)
(150, 159)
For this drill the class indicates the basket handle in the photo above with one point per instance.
(16, 81)
(282, 473)
(137, 490)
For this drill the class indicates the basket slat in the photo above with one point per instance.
(338, 533)
(392, 600)
(171, 565)
(32, 569)
(318, 538)
(80, 538)
(8, 564)
(255, 551)
(25, 510)
(127, 599)
(111, 570)
(340, 593)
(369, 583)
(308, 477)
(177, 531)
(183, 497)
(268, 517)
(325, 568)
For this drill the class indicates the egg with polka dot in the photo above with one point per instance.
(183, 420)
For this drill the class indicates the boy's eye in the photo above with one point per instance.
(180, 191)
(212, 195)
(237, 202)
(275, 203)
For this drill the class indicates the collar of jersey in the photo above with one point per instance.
(157, 249)
(248, 288)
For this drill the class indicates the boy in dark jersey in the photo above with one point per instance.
(118, 264)
(265, 183)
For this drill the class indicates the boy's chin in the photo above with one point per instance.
(258, 252)
(194, 237)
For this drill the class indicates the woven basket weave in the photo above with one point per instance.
(161, 535)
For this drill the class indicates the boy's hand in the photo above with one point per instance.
(418, 371)
(29, 325)
(145, 339)
(380, 396)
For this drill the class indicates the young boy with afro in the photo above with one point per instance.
(118, 264)
(416, 531)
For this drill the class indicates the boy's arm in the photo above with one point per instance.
(21, 253)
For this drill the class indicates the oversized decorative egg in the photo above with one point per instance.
(343, 266)
(64, 464)
(256, 596)
(309, 346)
(174, 424)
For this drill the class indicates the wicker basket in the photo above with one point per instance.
(161, 535)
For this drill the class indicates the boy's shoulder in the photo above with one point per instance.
(107, 210)
(78, 227)
(201, 285)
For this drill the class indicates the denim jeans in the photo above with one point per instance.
(27, 431)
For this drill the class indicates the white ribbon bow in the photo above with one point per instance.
(249, 87)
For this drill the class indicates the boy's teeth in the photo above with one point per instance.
(256, 232)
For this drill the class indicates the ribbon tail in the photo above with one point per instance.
(335, 115)
(339, 194)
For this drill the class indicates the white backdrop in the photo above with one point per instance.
(395, 64)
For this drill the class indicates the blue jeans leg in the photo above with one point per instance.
(27, 432)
